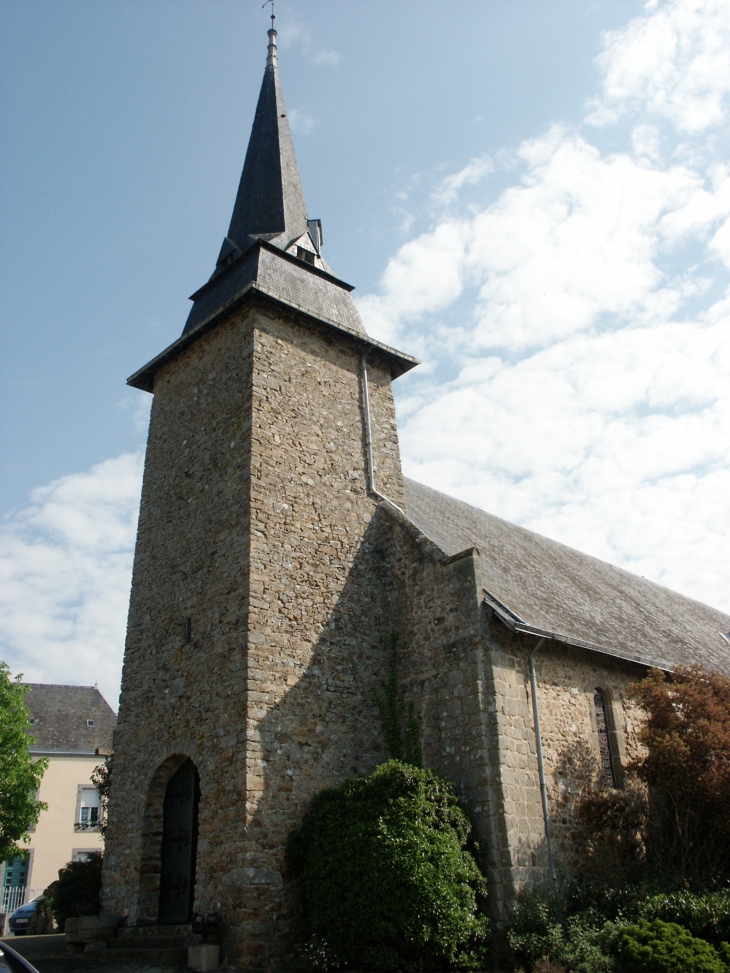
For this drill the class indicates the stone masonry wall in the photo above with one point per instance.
(566, 679)
(443, 643)
(468, 678)
(191, 561)
(318, 612)
(256, 524)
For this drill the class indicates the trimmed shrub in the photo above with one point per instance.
(387, 877)
(665, 947)
(76, 892)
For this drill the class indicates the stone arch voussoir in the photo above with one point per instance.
(152, 824)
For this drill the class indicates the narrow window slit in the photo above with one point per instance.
(608, 776)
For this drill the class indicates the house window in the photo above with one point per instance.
(608, 775)
(89, 810)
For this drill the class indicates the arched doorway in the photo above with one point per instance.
(179, 845)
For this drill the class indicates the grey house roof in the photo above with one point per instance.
(539, 586)
(60, 715)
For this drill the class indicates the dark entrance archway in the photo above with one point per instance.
(179, 845)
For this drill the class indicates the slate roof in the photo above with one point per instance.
(284, 277)
(270, 207)
(539, 586)
(270, 200)
(60, 714)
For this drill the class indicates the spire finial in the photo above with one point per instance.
(271, 50)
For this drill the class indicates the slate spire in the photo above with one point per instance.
(270, 203)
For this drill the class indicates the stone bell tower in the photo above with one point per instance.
(258, 618)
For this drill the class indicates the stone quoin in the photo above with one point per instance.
(279, 546)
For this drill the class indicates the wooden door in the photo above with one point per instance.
(179, 844)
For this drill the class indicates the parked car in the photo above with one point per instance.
(12, 962)
(19, 920)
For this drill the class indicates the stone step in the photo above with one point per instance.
(152, 931)
(152, 942)
(165, 957)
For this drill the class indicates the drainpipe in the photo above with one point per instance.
(368, 435)
(540, 762)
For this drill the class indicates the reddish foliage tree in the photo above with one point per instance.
(686, 767)
(672, 820)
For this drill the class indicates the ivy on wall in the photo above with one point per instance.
(398, 718)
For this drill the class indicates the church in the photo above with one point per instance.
(279, 546)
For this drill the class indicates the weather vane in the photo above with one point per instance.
(272, 10)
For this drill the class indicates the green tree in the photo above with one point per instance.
(20, 775)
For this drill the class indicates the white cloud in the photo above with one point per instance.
(584, 319)
(293, 34)
(301, 122)
(65, 567)
(577, 240)
(331, 58)
(672, 62)
(447, 192)
(138, 404)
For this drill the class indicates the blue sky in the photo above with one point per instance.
(533, 197)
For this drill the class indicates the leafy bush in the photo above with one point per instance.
(76, 892)
(621, 904)
(613, 826)
(386, 873)
(542, 933)
(41, 921)
(706, 916)
(665, 947)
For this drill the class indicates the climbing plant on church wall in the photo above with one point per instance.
(398, 718)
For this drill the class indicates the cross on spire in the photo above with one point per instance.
(273, 17)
